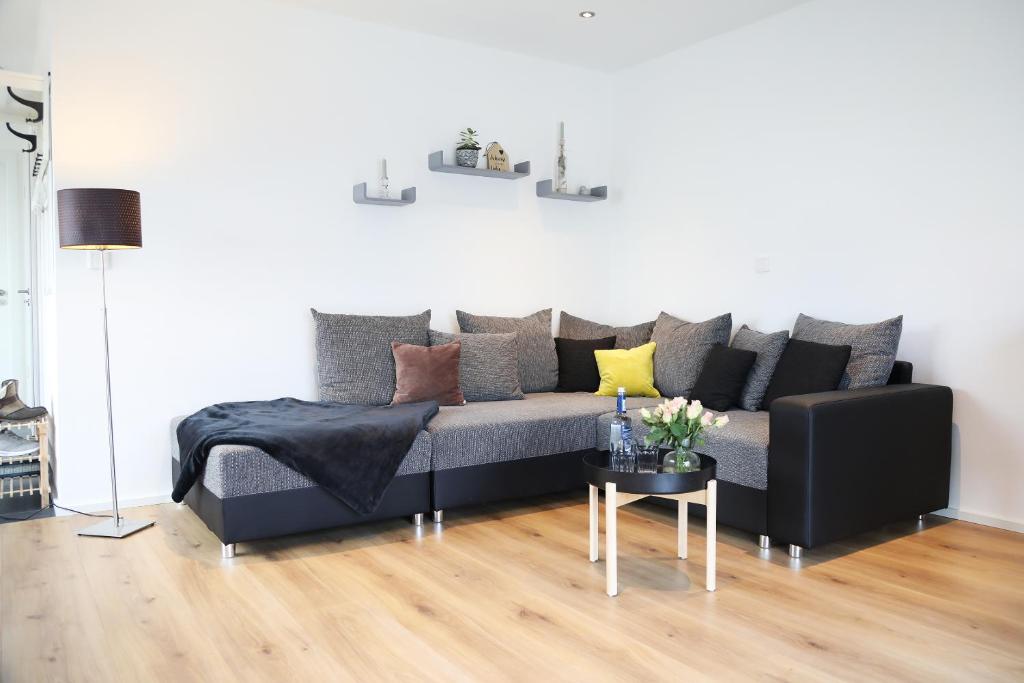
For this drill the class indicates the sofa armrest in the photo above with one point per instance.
(844, 462)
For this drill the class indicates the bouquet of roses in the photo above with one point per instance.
(679, 424)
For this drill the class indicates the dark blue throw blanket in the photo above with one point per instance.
(351, 451)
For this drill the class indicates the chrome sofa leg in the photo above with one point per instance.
(795, 551)
(417, 519)
(227, 550)
(920, 518)
(438, 516)
(764, 541)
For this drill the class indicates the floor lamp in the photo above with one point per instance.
(100, 219)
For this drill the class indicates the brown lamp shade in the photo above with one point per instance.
(99, 218)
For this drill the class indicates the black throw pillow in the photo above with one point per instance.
(577, 366)
(720, 383)
(807, 368)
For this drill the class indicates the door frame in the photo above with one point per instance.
(41, 223)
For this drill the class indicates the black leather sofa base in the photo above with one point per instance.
(738, 506)
(265, 515)
(498, 481)
(845, 462)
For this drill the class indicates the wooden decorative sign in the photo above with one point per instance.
(497, 160)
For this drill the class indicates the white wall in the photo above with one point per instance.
(873, 151)
(24, 43)
(244, 124)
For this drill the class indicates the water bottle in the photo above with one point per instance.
(621, 437)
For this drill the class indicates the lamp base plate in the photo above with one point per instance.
(111, 529)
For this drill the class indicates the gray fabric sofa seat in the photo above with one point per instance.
(233, 471)
(501, 431)
(741, 447)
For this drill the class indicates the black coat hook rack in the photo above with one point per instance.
(30, 138)
(36, 106)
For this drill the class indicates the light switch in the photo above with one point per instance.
(762, 264)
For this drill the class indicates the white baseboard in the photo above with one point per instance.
(104, 506)
(986, 520)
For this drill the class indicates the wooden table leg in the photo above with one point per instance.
(593, 523)
(711, 502)
(610, 540)
(684, 508)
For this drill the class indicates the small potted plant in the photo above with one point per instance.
(468, 151)
(680, 426)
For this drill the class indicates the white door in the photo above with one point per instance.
(17, 346)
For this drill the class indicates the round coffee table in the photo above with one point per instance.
(622, 488)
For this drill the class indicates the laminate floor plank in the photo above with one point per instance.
(507, 593)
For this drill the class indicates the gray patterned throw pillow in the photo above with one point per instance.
(538, 362)
(488, 365)
(682, 348)
(630, 337)
(769, 348)
(874, 347)
(354, 360)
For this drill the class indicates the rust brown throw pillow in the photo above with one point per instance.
(427, 373)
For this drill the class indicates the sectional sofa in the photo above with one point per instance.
(804, 473)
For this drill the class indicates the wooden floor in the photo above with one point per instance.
(506, 593)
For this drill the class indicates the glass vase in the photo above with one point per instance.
(682, 459)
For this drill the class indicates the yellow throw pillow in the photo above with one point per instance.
(629, 368)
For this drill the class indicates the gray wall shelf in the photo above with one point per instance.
(436, 163)
(359, 197)
(545, 189)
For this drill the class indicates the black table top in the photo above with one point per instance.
(598, 473)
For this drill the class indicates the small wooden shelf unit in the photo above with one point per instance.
(18, 474)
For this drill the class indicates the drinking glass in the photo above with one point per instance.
(617, 457)
(646, 456)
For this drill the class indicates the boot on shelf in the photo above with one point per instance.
(12, 408)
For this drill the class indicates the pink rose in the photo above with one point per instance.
(694, 410)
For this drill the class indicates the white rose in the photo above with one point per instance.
(644, 413)
(706, 419)
(693, 410)
(721, 421)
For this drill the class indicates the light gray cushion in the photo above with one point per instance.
(571, 327)
(354, 360)
(874, 347)
(740, 447)
(538, 362)
(500, 431)
(682, 348)
(244, 470)
(769, 348)
(488, 365)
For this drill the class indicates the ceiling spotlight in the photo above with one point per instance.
(587, 14)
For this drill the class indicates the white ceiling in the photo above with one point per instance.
(624, 32)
